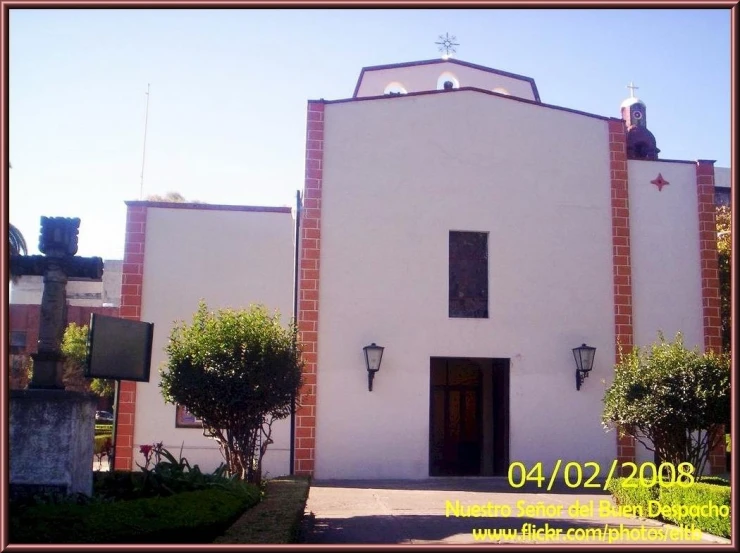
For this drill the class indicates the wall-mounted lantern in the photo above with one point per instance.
(373, 355)
(584, 362)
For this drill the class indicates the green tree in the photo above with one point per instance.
(172, 197)
(669, 399)
(74, 348)
(238, 371)
(724, 249)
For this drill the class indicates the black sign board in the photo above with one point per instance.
(119, 349)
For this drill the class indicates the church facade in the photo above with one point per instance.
(474, 232)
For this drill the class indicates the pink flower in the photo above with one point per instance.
(146, 450)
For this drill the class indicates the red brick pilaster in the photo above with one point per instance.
(621, 257)
(710, 282)
(308, 289)
(133, 271)
(708, 256)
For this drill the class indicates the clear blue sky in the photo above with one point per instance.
(229, 90)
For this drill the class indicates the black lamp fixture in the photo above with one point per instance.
(584, 362)
(373, 355)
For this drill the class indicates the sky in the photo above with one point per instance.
(227, 105)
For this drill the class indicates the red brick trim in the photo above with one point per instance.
(710, 283)
(708, 256)
(133, 271)
(308, 289)
(621, 258)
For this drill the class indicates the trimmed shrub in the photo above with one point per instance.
(716, 480)
(190, 517)
(681, 500)
(672, 504)
(117, 485)
(637, 496)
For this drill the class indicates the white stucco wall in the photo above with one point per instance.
(398, 176)
(418, 78)
(666, 267)
(229, 259)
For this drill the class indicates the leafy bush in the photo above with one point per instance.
(190, 517)
(670, 399)
(237, 371)
(724, 258)
(74, 348)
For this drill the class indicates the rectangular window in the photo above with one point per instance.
(469, 274)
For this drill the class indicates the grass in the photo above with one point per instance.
(276, 519)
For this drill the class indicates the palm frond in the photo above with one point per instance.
(17, 242)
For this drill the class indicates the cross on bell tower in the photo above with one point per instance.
(640, 141)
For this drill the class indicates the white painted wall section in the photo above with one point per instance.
(230, 259)
(666, 266)
(399, 175)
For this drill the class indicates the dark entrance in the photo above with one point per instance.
(468, 417)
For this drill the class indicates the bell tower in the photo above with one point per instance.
(640, 141)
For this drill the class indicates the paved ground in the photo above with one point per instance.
(423, 512)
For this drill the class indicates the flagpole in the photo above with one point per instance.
(143, 155)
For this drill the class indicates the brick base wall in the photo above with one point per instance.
(308, 289)
(133, 271)
(621, 258)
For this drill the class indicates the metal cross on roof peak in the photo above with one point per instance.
(632, 88)
(447, 45)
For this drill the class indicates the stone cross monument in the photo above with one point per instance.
(58, 242)
(51, 429)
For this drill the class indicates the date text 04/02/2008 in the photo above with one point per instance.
(587, 475)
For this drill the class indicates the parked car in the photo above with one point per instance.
(103, 417)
